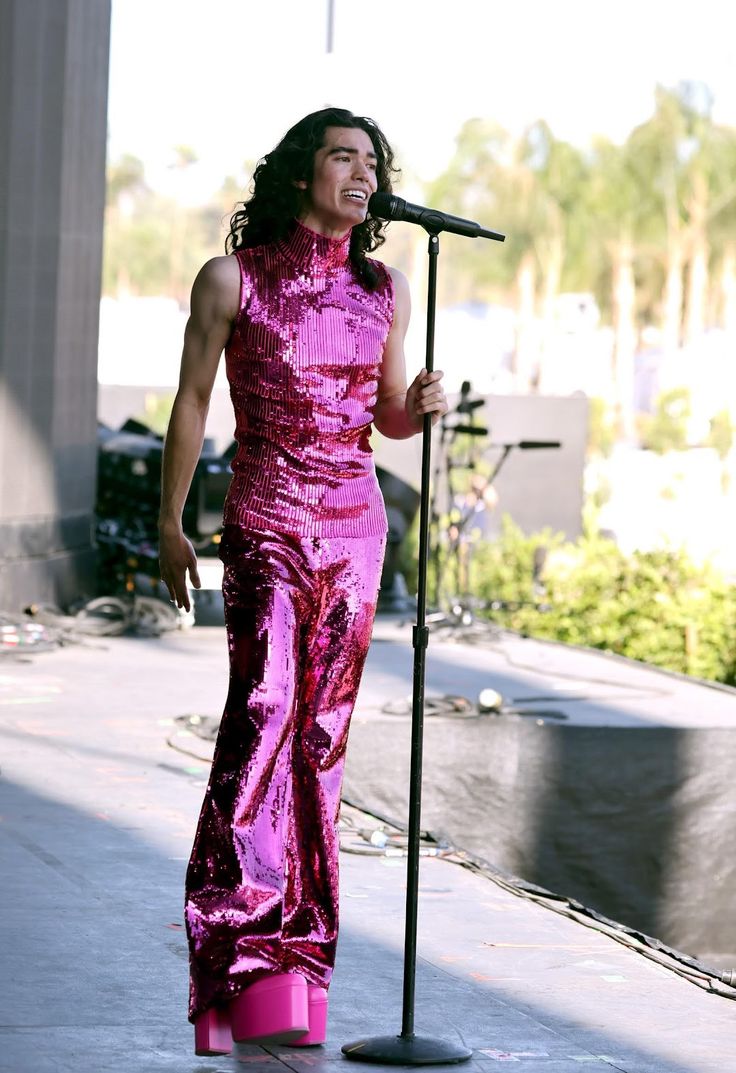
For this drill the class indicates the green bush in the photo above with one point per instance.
(156, 411)
(721, 434)
(656, 606)
(666, 429)
(601, 428)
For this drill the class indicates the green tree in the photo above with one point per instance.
(155, 245)
(180, 278)
(658, 148)
(688, 164)
(528, 187)
(124, 176)
(476, 184)
(616, 212)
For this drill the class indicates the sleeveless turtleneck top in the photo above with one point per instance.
(303, 362)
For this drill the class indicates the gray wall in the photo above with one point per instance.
(536, 488)
(53, 121)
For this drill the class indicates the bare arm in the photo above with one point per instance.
(399, 412)
(214, 306)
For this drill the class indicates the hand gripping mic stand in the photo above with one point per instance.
(407, 1048)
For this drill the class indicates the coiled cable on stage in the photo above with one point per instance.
(43, 626)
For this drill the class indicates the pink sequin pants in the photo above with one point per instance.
(262, 881)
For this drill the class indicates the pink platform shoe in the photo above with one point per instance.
(317, 1018)
(274, 1009)
(212, 1033)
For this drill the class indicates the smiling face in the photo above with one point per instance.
(343, 179)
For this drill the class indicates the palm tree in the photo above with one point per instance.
(530, 187)
(485, 181)
(616, 213)
(658, 148)
(688, 164)
(125, 185)
(184, 158)
(721, 225)
(558, 178)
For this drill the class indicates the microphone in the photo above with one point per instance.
(390, 207)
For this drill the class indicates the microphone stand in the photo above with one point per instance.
(434, 516)
(408, 1048)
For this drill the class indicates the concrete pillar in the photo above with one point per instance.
(53, 118)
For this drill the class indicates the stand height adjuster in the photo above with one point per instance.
(420, 636)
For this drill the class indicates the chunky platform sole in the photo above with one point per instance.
(274, 1009)
(317, 1018)
(212, 1033)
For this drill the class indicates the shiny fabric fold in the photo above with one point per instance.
(303, 363)
(262, 881)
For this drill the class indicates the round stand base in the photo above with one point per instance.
(406, 1051)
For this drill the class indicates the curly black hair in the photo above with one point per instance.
(267, 216)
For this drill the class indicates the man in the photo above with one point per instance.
(314, 333)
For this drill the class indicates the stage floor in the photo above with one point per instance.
(98, 813)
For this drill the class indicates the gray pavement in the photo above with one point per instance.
(97, 814)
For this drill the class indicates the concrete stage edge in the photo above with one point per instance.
(600, 779)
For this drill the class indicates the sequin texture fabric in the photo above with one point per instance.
(262, 881)
(303, 364)
(303, 542)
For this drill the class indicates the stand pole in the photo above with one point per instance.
(434, 516)
(408, 1049)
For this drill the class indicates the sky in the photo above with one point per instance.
(229, 77)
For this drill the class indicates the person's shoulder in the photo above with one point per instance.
(400, 286)
(220, 271)
(217, 285)
(401, 297)
(398, 278)
(389, 274)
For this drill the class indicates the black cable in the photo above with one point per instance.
(448, 704)
(204, 727)
(687, 967)
(394, 843)
(43, 626)
(188, 752)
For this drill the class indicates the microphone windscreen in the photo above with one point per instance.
(383, 205)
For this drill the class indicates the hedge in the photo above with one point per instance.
(656, 606)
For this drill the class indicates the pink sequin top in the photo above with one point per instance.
(303, 362)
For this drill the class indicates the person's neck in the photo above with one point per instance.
(321, 227)
(312, 251)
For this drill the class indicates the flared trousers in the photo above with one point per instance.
(261, 892)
